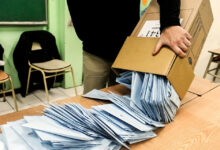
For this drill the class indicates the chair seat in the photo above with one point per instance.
(215, 51)
(54, 64)
(3, 75)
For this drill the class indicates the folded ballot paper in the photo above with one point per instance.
(151, 94)
(126, 120)
(44, 133)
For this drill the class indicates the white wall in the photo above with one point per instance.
(212, 41)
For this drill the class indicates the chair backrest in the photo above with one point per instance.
(35, 40)
(1, 58)
(36, 46)
(1, 52)
(38, 54)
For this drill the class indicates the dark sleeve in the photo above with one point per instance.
(169, 13)
(76, 14)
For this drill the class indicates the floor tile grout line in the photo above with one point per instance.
(63, 92)
(23, 106)
(11, 109)
(66, 93)
(10, 105)
(19, 99)
(60, 91)
(43, 101)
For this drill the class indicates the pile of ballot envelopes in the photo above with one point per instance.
(126, 120)
(152, 94)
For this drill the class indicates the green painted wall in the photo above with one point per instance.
(73, 51)
(143, 6)
(68, 44)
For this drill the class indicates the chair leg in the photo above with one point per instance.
(3, 89)
(216, 72)
(45, 85)
(13, 94)
(207, 68)
(54, 82)
(74, 83)
(28, 80)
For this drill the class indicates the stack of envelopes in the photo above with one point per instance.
(73, 127)
(155, 96)
(44, 133)
(151, 94)
(128, 119)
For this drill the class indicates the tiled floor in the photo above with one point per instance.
(37, 97)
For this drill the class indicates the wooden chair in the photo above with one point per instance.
(4, 77)
(215, 58)
(54, 67)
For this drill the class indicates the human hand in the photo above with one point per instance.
(177, 38)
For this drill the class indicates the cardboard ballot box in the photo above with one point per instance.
(136, 52)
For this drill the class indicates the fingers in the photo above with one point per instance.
(184, 44)
(157, 48)
(183, 47)
(179, 51)
(179, 48)
(188, 36)
(187, 42)
(177, 38)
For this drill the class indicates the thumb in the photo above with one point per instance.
(157, 48)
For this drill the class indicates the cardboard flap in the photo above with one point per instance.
(136, 55)
(188, 97)
(184, 15)
(201, 86)
(181, 76)
(206, 15)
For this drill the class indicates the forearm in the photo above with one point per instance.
(169, 13)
